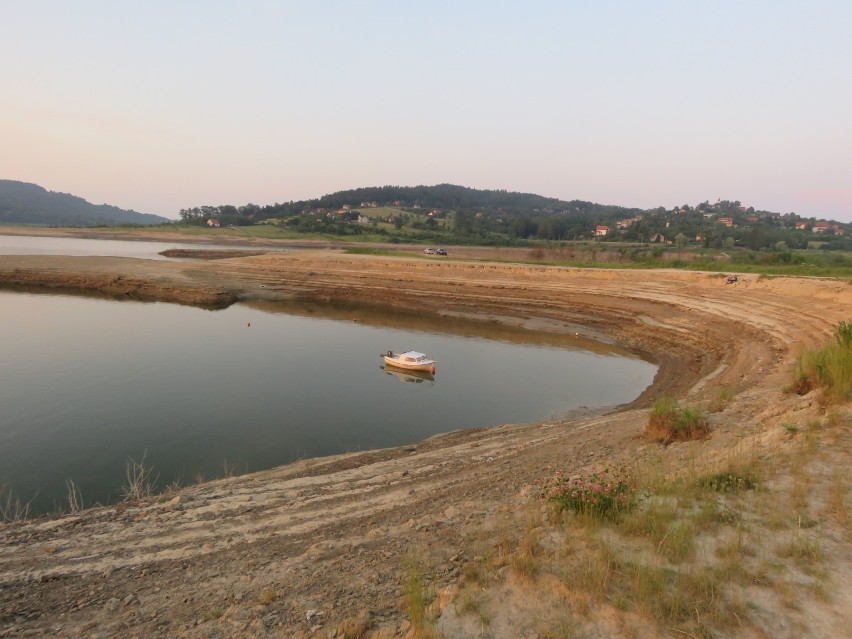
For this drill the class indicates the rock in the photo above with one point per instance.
(129, 599)
(451, 512)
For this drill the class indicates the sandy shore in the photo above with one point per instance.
(331, 536)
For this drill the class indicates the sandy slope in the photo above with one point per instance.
(252, 556)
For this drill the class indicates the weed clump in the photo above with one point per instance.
(671, 422)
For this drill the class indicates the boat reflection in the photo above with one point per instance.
(414, 377)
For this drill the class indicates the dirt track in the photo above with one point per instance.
(331, 535)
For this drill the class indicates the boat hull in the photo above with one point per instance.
(427, 366)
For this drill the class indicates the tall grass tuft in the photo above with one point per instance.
(417, 598)
(671, 422)
(829, 368)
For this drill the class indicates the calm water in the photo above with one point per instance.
(86, 383)
(26, 245)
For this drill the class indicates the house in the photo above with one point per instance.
(601, 231)
(623, 224)
(801, 226)
(821, 227)
(657, 238)
(213, 223)
(838, 230)
(363, 219)
(727, 221)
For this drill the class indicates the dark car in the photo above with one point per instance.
(441, 251)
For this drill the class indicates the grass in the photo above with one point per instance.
(418, 596)
(697, 539)
(671, 422)
(828, 369)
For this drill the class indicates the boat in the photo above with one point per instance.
(410, 361)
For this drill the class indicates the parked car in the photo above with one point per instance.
(429, 251)
(441, 251)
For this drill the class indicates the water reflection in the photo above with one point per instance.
(31, 245)
(416, 377)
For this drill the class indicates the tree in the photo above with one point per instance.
(680, 240)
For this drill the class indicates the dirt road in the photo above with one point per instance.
(299, 550)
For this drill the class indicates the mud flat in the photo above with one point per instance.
(305, 549)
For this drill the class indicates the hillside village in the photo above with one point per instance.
(455, 214)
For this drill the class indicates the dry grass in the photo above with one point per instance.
(74, 497)
(140, 480)
(268, 596)
(12, 509)
(720, 400)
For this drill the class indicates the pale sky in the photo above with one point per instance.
(158, 106)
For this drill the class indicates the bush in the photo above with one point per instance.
(670, 422)
(599, 493)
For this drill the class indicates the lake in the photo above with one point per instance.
(87, 383)
(30, 245)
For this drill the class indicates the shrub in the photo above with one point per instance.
(599, 493)
(670, 422)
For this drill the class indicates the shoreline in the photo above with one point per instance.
(305, 524)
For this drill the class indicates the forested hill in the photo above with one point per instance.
(24, 203)
(461, 198)
(445, 197)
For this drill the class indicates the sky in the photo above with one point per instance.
(157, 106)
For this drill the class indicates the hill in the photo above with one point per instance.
(444, 197)
(25, 203)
